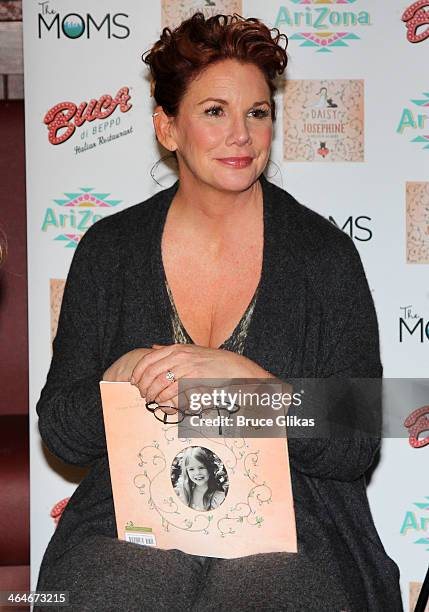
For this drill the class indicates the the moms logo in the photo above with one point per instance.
(412, 324)
(357, 228)
(415, 18)
(75, 25)
(63, 118)
(74, 214)
(324, 27)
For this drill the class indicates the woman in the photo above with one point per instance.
(264, 287)
(197, 486)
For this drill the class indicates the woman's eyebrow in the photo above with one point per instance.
(213, 100)
(259, 103)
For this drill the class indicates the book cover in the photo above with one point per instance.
(214, 497)
(323, 120)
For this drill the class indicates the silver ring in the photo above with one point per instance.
(170, 376)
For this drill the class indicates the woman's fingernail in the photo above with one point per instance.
(132, 380)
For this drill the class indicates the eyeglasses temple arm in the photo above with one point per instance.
(220, 420)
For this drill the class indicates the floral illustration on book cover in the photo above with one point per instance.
(247, 507)
(323, 121)
(417, 196)
(176, 11)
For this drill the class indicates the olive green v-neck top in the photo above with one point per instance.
(235, 341)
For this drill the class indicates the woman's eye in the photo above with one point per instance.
(214, 111)
(260, 113)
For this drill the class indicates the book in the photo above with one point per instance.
(181, 489)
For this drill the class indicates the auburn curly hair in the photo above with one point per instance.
(183, 53)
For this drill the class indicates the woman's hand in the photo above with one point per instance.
(188, 361)
(122, 369)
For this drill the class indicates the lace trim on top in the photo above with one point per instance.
(235, 342)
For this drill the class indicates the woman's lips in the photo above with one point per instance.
(236, 162)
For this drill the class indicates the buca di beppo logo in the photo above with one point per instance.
(76, 213)
(325, 27)
(63, 118)
(75, 25)
(417, 423)
(58, 509)
(415, 18)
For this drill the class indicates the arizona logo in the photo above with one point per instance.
(327, 23)
(415, 120)
(323, 1)
(77, 212)
(417, 524)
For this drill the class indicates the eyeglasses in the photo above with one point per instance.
(170, 415)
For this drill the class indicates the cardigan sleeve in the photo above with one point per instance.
(350, 350)
(69, 408)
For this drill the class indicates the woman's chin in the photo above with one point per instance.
(235, 179)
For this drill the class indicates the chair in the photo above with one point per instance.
(14, 504)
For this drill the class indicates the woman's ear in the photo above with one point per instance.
(163, 126)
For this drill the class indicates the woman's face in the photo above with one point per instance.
(197, 472)
(223, 131)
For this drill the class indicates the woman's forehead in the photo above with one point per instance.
(226, 79)
(194, 461)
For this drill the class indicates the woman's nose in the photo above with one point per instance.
(238, 132)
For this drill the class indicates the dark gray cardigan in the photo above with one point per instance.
(314, 317)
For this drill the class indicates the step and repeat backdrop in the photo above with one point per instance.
(351, 142)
